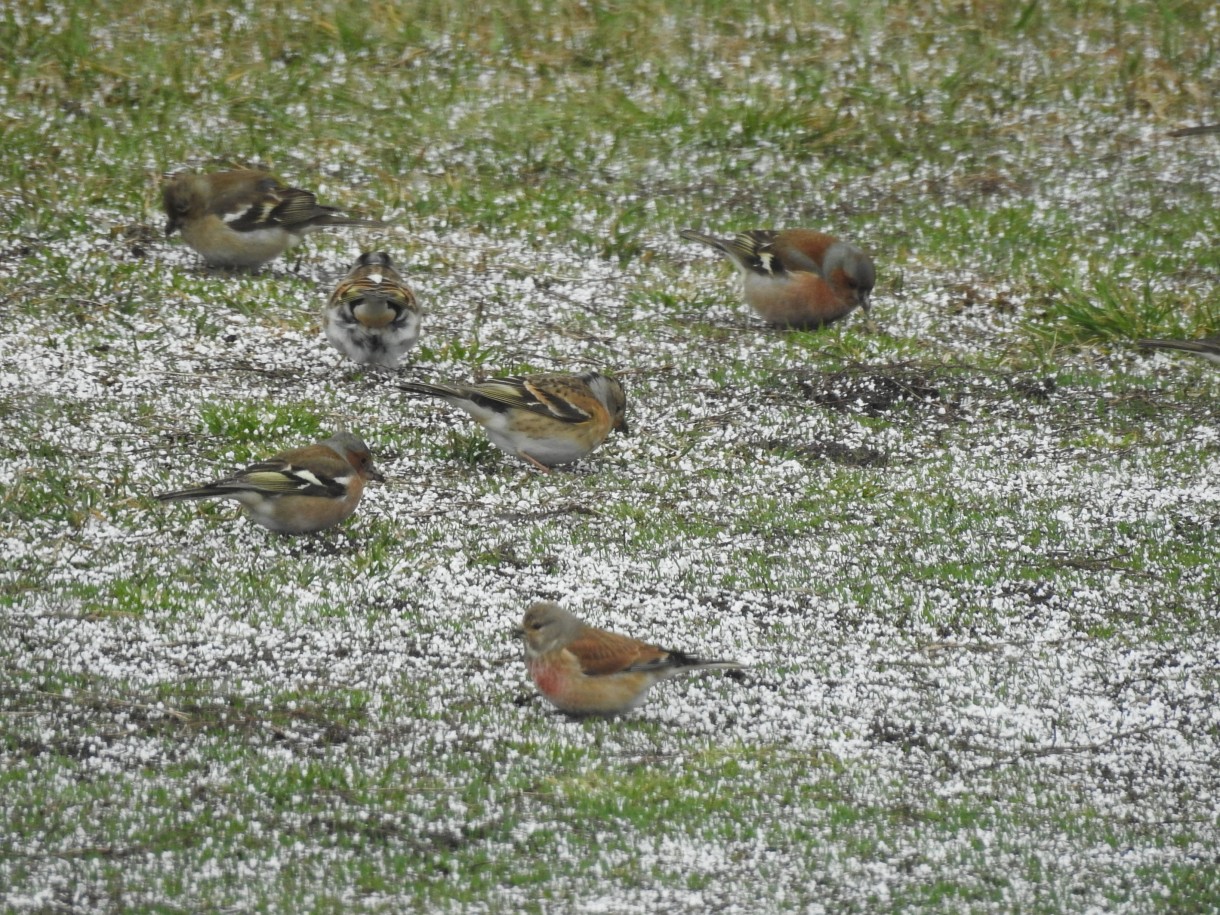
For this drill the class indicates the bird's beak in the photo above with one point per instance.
(517, 632)
(374, 474)
(866, 301)
(622, 427)
(172, 225)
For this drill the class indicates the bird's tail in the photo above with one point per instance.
(199, 492)
(1195, 131)
(686, 661)
(720, 244)
(718, 665)
(431, 390)
(336, 220)
(748, 250)
(1189, 346)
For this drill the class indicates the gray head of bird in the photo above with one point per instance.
(547, 626)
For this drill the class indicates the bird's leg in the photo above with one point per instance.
(541, 466)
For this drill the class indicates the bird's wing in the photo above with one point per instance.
(601, 653)
(552, 396)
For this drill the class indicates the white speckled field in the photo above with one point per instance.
(965, 544)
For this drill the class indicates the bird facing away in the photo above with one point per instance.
(546, 419)
(797, 277)
(298, 491)
(1208, 348)
(372, 317)
(583, 670)
(244, 217)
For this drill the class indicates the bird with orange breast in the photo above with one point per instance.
(301, 491)
(797, 277)
(583, 670)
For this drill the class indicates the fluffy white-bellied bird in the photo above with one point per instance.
(583, 670)
(546, 419)
(1208, 347)
(372, 317)
(797, 277)
(299, 491)
(244, 217)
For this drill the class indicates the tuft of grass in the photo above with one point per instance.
(260, 422)
(1104, 309)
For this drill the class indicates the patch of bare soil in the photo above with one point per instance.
(835, 452)
(877, 390)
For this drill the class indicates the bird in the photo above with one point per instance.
(546, 419)
(244, 217)
(372, 317)
(299, 491)
(583, 670)
(1195, 131)
(1208, 348)
(797, 277)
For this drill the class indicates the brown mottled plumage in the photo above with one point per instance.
(372, 316)
(546, 419)
(244, 217)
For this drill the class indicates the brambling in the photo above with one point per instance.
(244, 218)
(298, 491)
(797, 277)
(372, 316)
(543, 419)
(582, 670)
(1208, 348)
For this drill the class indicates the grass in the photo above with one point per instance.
(966, 543)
